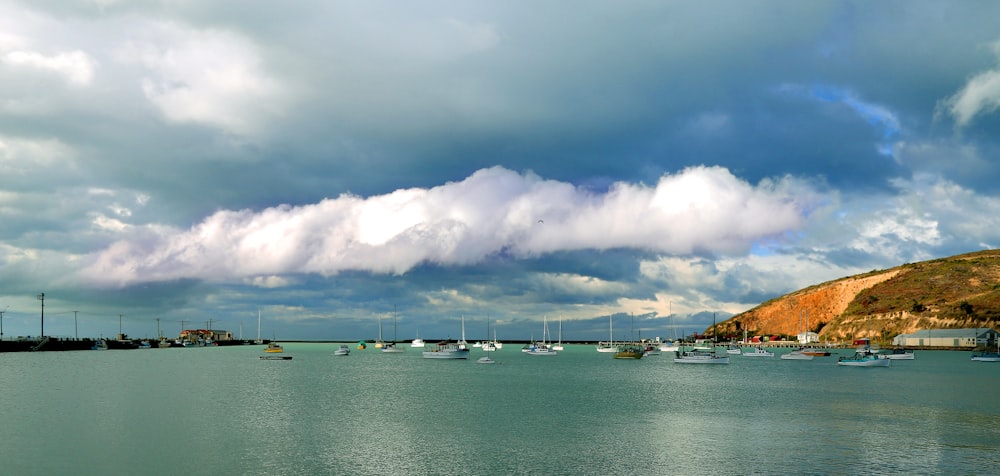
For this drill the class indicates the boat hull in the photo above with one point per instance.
(865, 362)
(458, 354)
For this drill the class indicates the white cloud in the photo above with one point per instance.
(980, 95)
(212, 77)
(75, 67)
(493, 211)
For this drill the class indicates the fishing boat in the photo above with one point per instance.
(797, 354)
(447, 350)
(273, 348)
(630, 351)
(758, 352)
(608, 346)
(864, 358)
(342, 350)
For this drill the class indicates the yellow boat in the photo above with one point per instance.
(273, 348)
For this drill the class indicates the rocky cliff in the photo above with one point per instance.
(955, 292)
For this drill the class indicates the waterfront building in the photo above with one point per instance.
(947, 338)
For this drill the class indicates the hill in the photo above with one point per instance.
(957, 292)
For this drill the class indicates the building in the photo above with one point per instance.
(949, 338)
(807, 337)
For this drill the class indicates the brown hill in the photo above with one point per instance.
(958, 292)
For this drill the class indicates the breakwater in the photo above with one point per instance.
(59, 344)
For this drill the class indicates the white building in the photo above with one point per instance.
(951, 338)
(808, 337)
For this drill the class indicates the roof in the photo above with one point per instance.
(951, 333)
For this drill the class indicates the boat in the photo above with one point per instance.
(816, 352)
(541, 348)
(486, 360)
(702, 355)
(391, 347)
(651, 349)
(558, 346)
(864, 358)
(987, 355)
(629, 351)
(733, 349)
(490, 345)
(462, 343)
(797, 354)
(447, 350)
(275, 357)
(100, 344)
(758, 352)
(899, 354)
(273, 348)
(417, 343)
(378, 342)
(608, 346)
(342, 350)
(362, 345)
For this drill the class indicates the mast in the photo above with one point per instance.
(258, 325)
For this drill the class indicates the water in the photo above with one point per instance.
(222, 410)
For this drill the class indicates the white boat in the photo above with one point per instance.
(541, 348)
(864, 359)
(447, 350)
(899, 354)
(462, 343)
(342, 350)
(486, 360)
(987, 355)
(490, 346)
(391, 347)
(733, 350)
(100, 344)
(378, 342)
(700, 356)
(796, 354)
(758, 352)
(558, 346)
(418, 342)
(608, 346)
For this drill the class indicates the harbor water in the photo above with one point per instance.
(223, 410)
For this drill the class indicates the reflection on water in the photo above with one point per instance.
(222, 410)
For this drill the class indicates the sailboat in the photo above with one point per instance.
(462, 343)
(490, 346)
(671, 346)
(378, 342)
(447, 350)
(558, 346)
(541, 348)
(391, 347)
(630, 350)
(258, 341)
(608, 346)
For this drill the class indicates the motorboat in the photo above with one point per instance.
(700, 356)
(100, 345)
(392, 348)
(734, 349)
(864, 359)
(630, 352)
(899, 354)
(417, 343)
(758, 352)
(342, 350)
(273, 348)
(816, 352)
(797, 354)
(447, 350)
(486, 360)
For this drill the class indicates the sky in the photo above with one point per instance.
(330, 165)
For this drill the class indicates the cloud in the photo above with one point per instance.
(980, 95)
(212, 77)
(876, 115)
(75, 67)
(493, 212)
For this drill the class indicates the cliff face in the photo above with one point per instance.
(955, 292)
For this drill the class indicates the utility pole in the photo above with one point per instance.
(41, 297)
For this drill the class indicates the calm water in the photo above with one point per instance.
(224, 411)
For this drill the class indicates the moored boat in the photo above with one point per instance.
(900, 354)
(797, 354)
(447, 350)
(864, 359)
(629, 352)
(700, 356)
(758, 352)
(275, 357)
(274, 348)
(342, 350)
